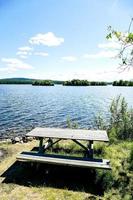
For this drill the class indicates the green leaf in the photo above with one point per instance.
(109, 36)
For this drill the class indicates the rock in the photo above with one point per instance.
(30, 138)
(15, 140)
(24, 139)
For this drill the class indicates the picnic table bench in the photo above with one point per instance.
(54, 135)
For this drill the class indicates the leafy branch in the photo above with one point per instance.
(125, 39)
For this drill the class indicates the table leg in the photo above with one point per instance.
(41, 145)
(90, 149)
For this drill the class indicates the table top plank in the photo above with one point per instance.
(65, 133)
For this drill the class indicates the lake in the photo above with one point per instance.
(23, 107)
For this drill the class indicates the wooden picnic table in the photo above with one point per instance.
(54, 135)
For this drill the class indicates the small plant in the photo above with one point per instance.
(100, 122)
(71, 124)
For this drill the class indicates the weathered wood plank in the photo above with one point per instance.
(62, 160)
(78, 134)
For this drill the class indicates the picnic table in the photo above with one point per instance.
(55, 135)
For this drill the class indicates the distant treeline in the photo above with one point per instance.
(123, 83)
(77, 82)
(74, 82)
(27, 81)
(16, 81)
(43, 83)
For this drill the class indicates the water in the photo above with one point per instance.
(23, 107)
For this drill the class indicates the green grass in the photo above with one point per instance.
(26, 182)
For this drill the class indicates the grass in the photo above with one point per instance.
(23, 181)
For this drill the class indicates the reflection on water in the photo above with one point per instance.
(23, 107)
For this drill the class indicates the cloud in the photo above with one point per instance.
(25, 51)
(69, 58)
(25, 48)
(41, 54)
(14, 64)
(102, 54)
(110, 45)
(22, 53)
(47, 39)
(24, 56)
(109, 49)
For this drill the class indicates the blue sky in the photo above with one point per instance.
(61, 39)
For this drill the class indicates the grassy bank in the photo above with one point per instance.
(22, 181)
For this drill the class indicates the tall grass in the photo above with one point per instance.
(120, 124)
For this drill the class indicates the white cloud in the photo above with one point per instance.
(25, 48)
(109, 49)
(41, 54)
(25, 51)
(110, 45)
(23, 56)
(48, 39)
(14, 64)
(22, 53)
(102, 54)
(69, 58)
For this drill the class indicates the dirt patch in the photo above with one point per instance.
(3, 153)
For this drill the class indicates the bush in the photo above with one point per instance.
(121, 119)
(105, 179)
(120, 124)
(131, 159)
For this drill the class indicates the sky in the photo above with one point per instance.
(62, 39)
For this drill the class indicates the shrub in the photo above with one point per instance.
(131, 159)
(120, 124)
(105, 179)
(121, 119)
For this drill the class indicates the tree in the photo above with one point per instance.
(125, 39)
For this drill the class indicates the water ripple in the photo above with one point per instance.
(23, 107)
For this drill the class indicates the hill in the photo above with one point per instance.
(23, 81)
(16, 81)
